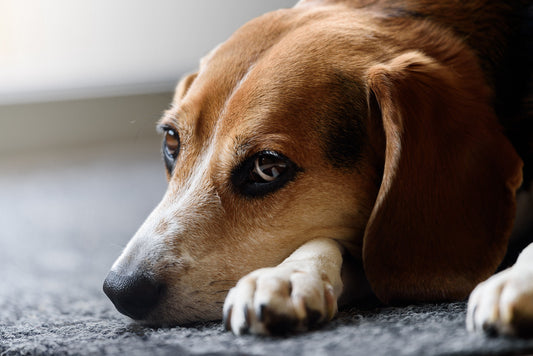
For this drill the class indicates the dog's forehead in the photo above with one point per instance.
(270, 74)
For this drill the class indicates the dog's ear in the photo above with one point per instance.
(183, 86)
(445, 207)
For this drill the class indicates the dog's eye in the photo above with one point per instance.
(171, 146)
(263, 173)
(172, 143)
(267, 168)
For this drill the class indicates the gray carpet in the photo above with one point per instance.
(64, 218)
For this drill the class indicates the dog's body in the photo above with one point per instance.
(367, 132)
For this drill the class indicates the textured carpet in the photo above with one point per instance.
(65, 217)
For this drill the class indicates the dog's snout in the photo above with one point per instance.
(134, 295)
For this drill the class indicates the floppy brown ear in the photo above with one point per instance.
(445, 207)
(183, 86)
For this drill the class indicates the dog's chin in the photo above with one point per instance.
(170, 316)
(170, 323)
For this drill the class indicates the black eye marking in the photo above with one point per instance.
(171, 146)
(344, 130)
(263, 173)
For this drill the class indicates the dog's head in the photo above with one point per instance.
(312, 122)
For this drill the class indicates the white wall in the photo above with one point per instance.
(85, 72)
(61, 49)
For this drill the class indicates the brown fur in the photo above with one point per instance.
(388, 108)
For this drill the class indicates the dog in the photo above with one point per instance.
(340, 148)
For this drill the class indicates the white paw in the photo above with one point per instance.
(503, 304)
(279, 300)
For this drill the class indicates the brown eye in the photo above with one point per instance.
(172, 143)
(268, 168)
(263, 173)
(171, 146)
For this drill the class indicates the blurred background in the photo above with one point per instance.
(71, 52)
(82, 84)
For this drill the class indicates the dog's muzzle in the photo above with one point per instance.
(134, 295)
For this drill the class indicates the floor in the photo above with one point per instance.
(65, 216)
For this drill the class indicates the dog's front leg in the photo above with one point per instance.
(300, 292)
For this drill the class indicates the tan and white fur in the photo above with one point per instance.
(327, 150)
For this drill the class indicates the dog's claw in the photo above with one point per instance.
(260, 312)
(227, 319)
(245, 326)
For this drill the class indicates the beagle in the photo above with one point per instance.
(337, 147)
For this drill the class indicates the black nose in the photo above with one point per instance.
(133, 295)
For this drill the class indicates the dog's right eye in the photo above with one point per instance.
(263, 173)
(171, 146)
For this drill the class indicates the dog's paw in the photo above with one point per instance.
(279, 300)
(503, 304)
